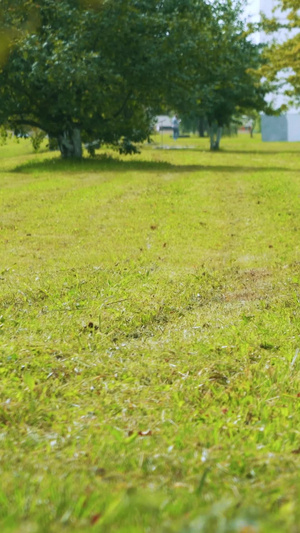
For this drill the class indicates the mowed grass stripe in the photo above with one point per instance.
(149, 336)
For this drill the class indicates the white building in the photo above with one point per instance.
(163, 123)
(287, 126)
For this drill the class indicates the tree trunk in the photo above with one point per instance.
(218, 139)
(211, 137)
(201, 127)
(70, 144)
(215, 137)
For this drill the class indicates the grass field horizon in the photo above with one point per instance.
(149, 339)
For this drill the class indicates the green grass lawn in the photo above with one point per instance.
(149, 337)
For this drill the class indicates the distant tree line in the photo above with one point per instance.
(86, 71)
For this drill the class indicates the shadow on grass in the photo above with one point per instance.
(224, 151)
(110, 164)
(263, 152)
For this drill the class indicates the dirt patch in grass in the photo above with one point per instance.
(256, 285)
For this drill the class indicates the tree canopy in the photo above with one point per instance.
(229, 85)
(282, 54)
(85, 70)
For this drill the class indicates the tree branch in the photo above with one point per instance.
(123, 105)
(26, 122)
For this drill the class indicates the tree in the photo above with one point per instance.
(97, 69)
(87, 70)
(228, 85)
(282, 54)
(75, 77)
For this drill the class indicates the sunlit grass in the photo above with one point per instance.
(149, 336)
